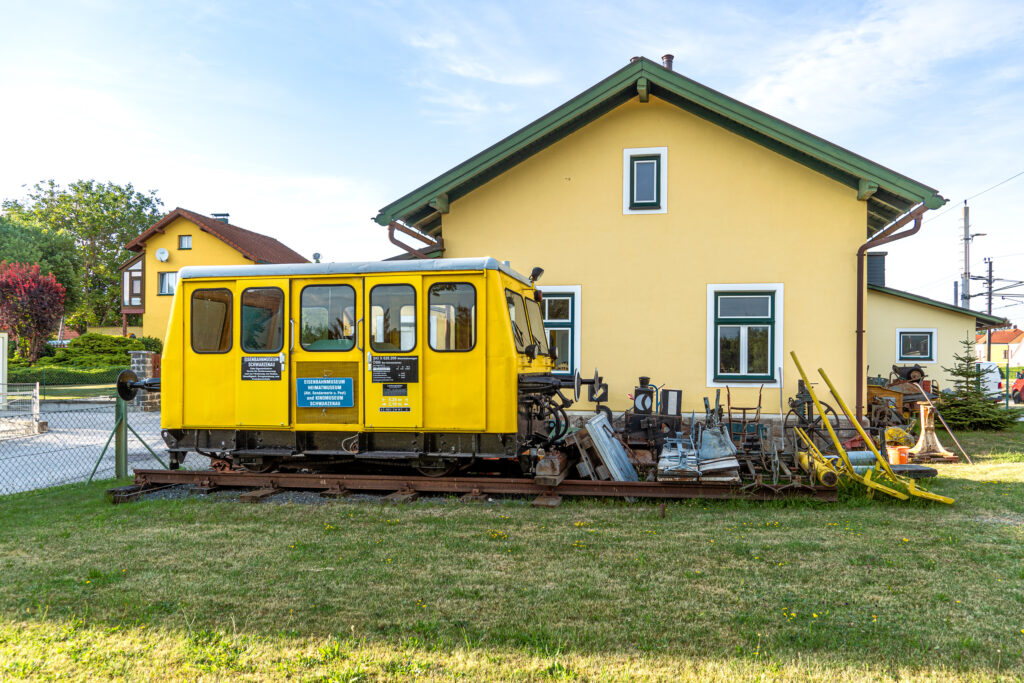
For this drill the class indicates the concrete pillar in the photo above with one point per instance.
(143, 364)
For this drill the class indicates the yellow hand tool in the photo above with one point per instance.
(882, 462)
(845, 459)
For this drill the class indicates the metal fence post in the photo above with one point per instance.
(35, 404)
(121, 439)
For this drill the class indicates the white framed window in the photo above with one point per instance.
(915, 345)
(166, 282)
(744, 333)
(563, 317)
(645, 180)
(184, 241)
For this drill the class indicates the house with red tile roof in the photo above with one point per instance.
(186, 238)
(1007, 345)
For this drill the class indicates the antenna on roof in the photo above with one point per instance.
(222, 217)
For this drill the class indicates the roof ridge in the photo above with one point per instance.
(892, 193)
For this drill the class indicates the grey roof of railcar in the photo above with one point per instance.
(351, 268)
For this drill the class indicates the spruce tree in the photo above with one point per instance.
(969, 406)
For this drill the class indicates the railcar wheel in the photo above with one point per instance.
(437, 467)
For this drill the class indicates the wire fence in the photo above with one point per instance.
(51, 441)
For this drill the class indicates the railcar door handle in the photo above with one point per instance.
(291, 335)
(359, 338)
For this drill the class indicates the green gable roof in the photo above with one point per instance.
(982, 319)
(888, 193)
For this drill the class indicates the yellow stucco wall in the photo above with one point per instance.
(887, 313)
(206, 250)
(737, 213)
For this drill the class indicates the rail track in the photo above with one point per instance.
(407, 488)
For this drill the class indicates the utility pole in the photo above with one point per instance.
(965, 287)
(988, 332)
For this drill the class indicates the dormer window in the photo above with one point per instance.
(644, 180)
(184, 241)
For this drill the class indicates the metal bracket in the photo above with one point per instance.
(432, 244)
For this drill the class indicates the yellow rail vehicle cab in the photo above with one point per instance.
(433, 364)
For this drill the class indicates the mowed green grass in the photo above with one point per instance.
(594, 590)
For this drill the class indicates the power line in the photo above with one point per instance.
(973, 196)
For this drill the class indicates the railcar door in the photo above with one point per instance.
(209, 356)
(326, 353)
(393, 377)
(455, 353)
(262, 392)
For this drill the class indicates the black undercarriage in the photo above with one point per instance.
(542, 426)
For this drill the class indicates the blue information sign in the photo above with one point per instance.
(324, 392)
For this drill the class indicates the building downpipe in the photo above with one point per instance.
(888, 234)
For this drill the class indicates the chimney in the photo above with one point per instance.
(876, 268)
(666, 61)
(634, 59)
(222, 217)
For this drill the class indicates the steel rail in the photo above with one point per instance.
(480, 485)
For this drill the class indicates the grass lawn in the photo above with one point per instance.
(199, 589)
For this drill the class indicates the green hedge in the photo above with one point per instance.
(49, 375)
(93, 350)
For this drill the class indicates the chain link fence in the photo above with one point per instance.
(48, 440)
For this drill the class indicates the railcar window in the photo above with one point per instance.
(327, 318)
(537, 326)
(452, 316)
(393, 318)
(262, 320)
(517, 314)
(211, 320)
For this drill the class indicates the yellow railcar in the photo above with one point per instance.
(434, 364)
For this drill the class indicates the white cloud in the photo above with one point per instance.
(850, 73)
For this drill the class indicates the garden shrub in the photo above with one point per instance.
(96, 350)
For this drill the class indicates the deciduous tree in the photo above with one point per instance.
(56, 254)
(31, 305)
(101, 218)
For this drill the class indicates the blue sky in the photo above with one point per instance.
(302, 119)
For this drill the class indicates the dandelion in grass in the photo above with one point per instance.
(906, 540)
(814, 614)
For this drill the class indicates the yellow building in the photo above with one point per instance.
(907, 329)
(185, 238)
(684, 235)
(1007, 347)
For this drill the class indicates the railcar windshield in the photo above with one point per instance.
(537, 326)
(517, 314)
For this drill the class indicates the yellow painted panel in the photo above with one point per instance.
(209, 379)
(314, 360)
(262, 392)
(391, 402)
(454, 389)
